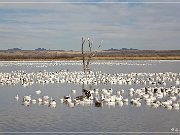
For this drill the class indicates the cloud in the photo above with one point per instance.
(61, 26)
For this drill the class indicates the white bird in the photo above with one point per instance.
(118, 93)
(17, 97)
(46, 102)
(125, 100)
(40, 100)
(175, 105)
(177, 82)
(73, 91)
(38, 92)
(33, 101)
(45, 97)
(122, 91)
(53, 102)
(118, 98)
(120, 103)
(62, 100)
(27, 98)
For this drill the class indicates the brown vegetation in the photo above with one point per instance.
(102, 55)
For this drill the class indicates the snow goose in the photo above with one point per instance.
(38, 92)
(73, 91)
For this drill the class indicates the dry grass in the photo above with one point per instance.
(122, 55)
(140, 58)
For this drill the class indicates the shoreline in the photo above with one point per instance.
(30, 55)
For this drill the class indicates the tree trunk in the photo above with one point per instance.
(82, 50)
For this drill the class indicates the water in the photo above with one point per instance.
(15, 117)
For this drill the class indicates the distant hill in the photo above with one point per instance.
(14, 49)
(112, 49)
(40, 49)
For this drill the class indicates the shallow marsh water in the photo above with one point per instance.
(15, 117)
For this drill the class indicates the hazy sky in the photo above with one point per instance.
(61, 25)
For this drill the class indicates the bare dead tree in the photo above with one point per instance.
(87, 55)
(83, 55)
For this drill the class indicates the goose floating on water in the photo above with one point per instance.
(73, 91)
(153, 91)
(52, 102)
(38, 92)
(33, 101)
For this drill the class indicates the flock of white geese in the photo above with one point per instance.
(45, 100)
(157, 91)
(160, 89)
(155, 97)
(93, 78)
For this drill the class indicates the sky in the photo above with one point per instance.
(60, 25)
